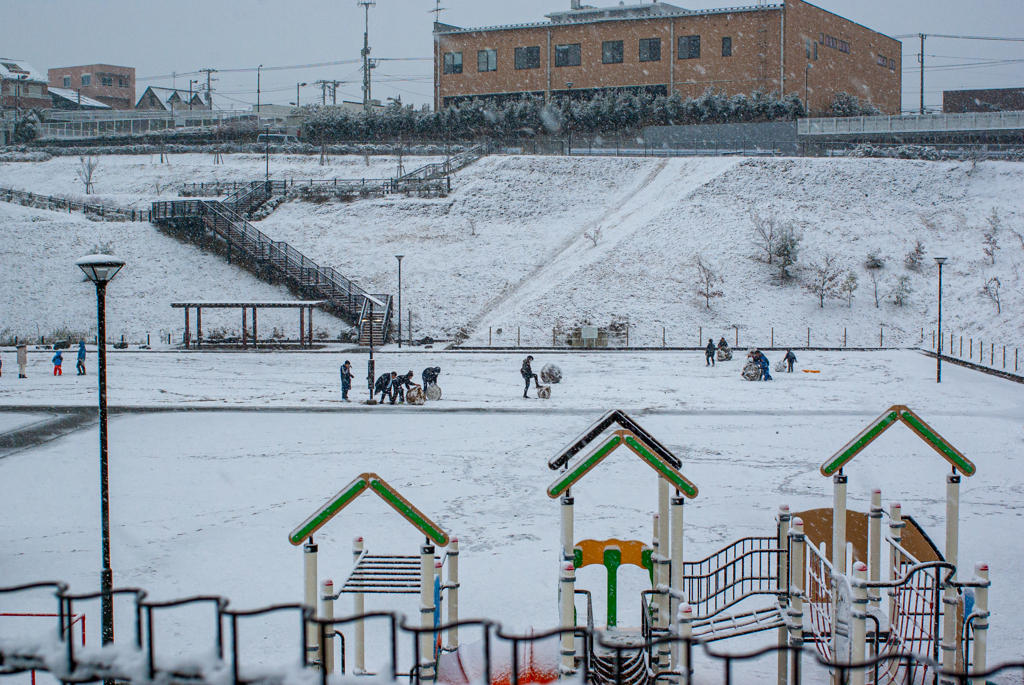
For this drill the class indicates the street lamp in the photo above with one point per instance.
(399, 258)
(938, 352)
(101, 269)
(568, 122)
(297, 86)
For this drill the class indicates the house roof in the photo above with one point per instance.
(165, 94)
(73, 96)
(18, 68)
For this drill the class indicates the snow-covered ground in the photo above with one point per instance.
(42, 290)
(202, 501)
(508, 248)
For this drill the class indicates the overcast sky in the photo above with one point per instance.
(159, 37)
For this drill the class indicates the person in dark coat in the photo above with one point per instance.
(762, 361)
(383, 385)
(346, 379)
(58, 361)
(81, 358)
(430, 375)
(722, 345)
(709, 353)
(399, 384)
(527, 373)
(790, 359)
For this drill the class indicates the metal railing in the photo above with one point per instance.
(748, 567)
(60, 204)
(917, 123)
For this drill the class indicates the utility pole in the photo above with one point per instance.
(368, 63)
(209, 84)
(920, 59)
(331, 86)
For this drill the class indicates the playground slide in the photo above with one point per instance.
(538, 663)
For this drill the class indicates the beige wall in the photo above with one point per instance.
(754, 65)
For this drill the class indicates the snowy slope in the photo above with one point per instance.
(43, 290)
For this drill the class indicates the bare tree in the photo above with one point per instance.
(874, 264)
(593, 235)
(901, 293)
(1020, 237)
(86, 170)
(708, 280)
(990, 237)
(787, 249)
(848, 286)
(472, 227)
(766, 235)
(824, 283)
(991, 291)
(915, 257)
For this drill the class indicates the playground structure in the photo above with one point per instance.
(825, 608)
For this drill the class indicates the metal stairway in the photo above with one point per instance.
(225, 220)
(446, 168)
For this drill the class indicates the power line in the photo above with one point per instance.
(285, 68)
(940, 35)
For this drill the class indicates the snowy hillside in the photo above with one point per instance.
(508, 249)
(43, 290)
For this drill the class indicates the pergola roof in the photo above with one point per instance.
(287, 304)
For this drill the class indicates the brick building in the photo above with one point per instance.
(659, 48)
(113, 86)
(21, 86)
(989, 100)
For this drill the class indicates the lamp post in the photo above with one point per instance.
(399, 258)
(266, 139)
(568, 120)
(101, 269)
(297, 86)
(258, 96)
(938, 352)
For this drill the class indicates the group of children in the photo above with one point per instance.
(391, 385)
(58, 361)
(755, 357)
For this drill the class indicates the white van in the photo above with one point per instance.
(277, 139)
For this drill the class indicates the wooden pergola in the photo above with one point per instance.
(304, 306)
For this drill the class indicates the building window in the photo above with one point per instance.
(611, 52)
(567, 55)
(808, 47)
(487, 60)
(107, 81)
(689, 47)
(727, 47)
(650, 49)
(528, 58)
(892, 64)
(67, 81)
(815, 51)
(122, 82)
(86, 79)
(453, 62)
(882, 61)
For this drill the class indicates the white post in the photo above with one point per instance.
(949, 595)
(327, 612)
(981, 623)
(309, 598)
(453, 593)
(859, 615)
(677, 567)
(664, 563)
(426, 639)
(796, 592)
(839, 524)
(358, 607)
(685, 631)
(566, 589)
(783, 584)
(875, 545)
(656, 569)
(567, 533)
(896, 534)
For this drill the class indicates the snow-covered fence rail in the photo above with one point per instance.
(979, 351)
(915, 123)
(60, 204)
(508, 657)
(324, 187)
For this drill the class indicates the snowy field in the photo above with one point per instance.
(509, 247)
(202, 501)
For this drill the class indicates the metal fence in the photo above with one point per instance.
(917, 123)
(60, 204)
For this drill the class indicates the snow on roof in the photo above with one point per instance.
(73, 96)
(18, 68)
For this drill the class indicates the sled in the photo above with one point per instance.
(751, 372)
(544, 392)
(415, 396)
(433, 392)
(724, 354)
(812, 370)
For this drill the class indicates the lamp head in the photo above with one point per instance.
(940, 260)
(100, 268)
(399, 257)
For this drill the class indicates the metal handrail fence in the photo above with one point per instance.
(746, 568)
(21, 656)
(61, 204)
